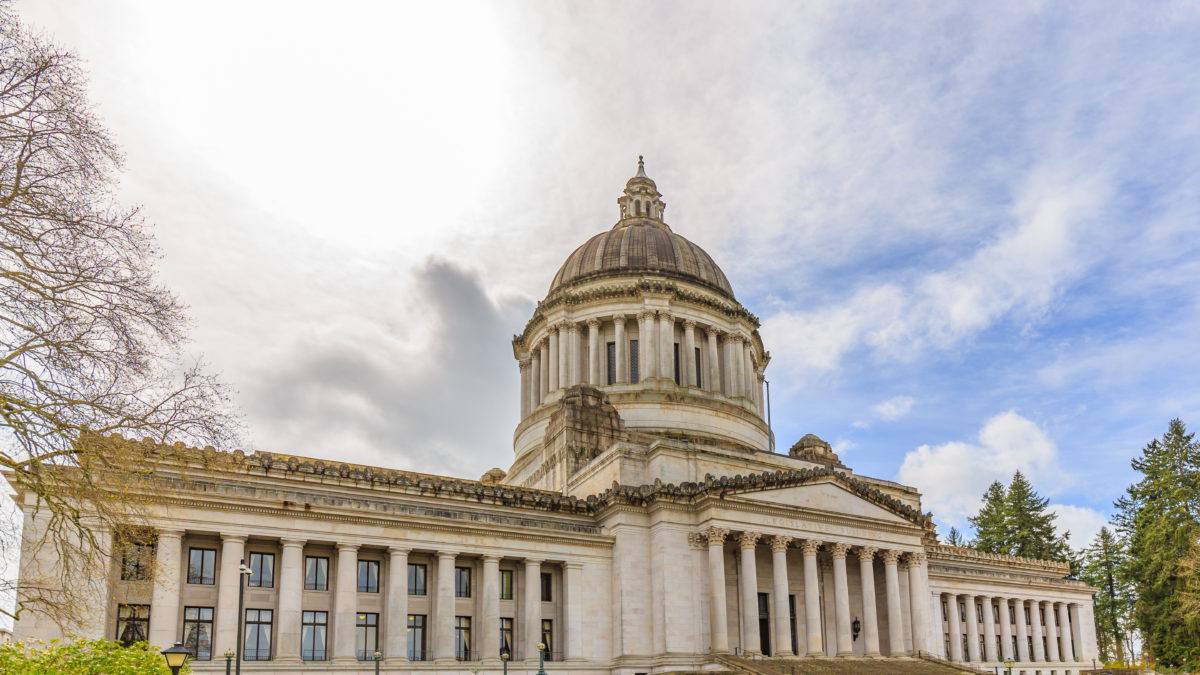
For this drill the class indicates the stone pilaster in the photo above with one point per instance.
(918, 599)
(291, 590)
(345, 603)
(1039, 649)
(648, 351)
(546, 360)
(553, 360)
(714, 361)
(395, 639)
(972, 629)
(1068, 638)
(1023, 654)
(594, 352)
(717, 607)
(168, 567)
(526, 385)
(989, 630)
(954, 619)
(666, 350)
(1006, 628)
(1051, 631)
(233, 548)
(533, 608)
(443, 608)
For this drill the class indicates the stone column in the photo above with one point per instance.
(345, 603)
(737, 375)
(443, 606)
(714, 361)
(553, 361)
(291, 589)
(666, 352)
(622, 367)
(1023, 654)
(395, 641)
(1006, 649)
(812, 598)
(573, 580)
(564, 355)
(972, 629)
(594, 352)
(535, 379)
(647, 354)
(751, 641)
(894, 608)
(955, 628)
(547, 363)
(870, 623)
(164, 607)
(758, 394)
(533, 608)
(718, 617)
(783, 617)
(989, 631)
(487, 639)
(1051, 632)
(523, 365)
(1068, 637)
(1039, 649)
(687, 360)
(1077, 632)
(233, 547)
(918, 599)
(841, 598)
(576, 353)
(730, 371)
(748, 374)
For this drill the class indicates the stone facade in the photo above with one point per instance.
(645, 525)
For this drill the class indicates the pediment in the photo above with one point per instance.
(829, 496)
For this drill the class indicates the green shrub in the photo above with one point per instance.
(81, 657)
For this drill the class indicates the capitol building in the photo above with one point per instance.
(647, 524)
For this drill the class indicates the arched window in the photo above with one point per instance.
(638, 208)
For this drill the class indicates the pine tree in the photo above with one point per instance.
(1160, 516)
(955, 538)
(991, 524)
(1103, 566)
(1031, 530)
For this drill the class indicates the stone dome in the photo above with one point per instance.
(641, 243)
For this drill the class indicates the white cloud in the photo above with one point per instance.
(953, 476)
(894, 408)
(1082, 522)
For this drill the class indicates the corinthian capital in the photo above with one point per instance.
(891, 557)
(780, 543)
(914, 559)
(748, 539)
(866, 553)
(688, 324)
(593, 322)
(619, 319)
(715, 535)
(839, 550)
(810, 546)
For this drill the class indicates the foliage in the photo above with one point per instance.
(1103, 565)
(1159, 516)
(955, 538)
(1014, 520)
(90, 343)
(82, 657)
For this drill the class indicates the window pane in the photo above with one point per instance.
(133, 623)
(462, 638)
(197, 632)
(366, 635)
(634, 375)
(416, 637)
(699, 381)
(262, 568)
(313, 636)
(202, 563)
(506, 635)
(368, 576)
(548, 637)
(462, 582)
(547, 584)
(506, 584)
(316, 573)
(416, 579)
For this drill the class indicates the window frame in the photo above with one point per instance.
(130, 617)
(548, 637)
(610, 355)
(462, 638)
(366, 630)
(136, 561)
(262, 628)
(260, 560)
(208, 562)
(199, 621)
(418, 572)
(318, 573)
(368, 566)
(506, 584)
(417, 624)
(547, 583)
(462, 581)
(635, 366)
(309, 623)
(507, 635)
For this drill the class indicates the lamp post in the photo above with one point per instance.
(504, 659)
(176, 656)
(1009, 665)
(228, 660)
(541, 658)
(243, 573)
(378, 655)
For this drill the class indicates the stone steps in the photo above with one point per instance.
(819, 666)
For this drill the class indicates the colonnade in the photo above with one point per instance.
(811, 640)
(557, 359)
(1002, 629)
(289, 577)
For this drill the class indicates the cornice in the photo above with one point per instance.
(960, 554)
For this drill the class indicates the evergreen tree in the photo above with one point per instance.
(1031, 530)
(991, 524)
(1103, 566)
(1160, 517)
(955, 538)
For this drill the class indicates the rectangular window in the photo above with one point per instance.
(978, 613)
(506, 584)
(1012, 615)
(316, 573)
(676, 356)
(202, 566)
(257, 646)
(996, 613)
(962, 612)
(198, 632)
(136, 561)
(1041, 616)
(699, 382)
(1029, 639)
(792, 616)
(133, 623)
(262, 570)
(946, 637)
(462, 582)
(964, 645)
(416, 637)
(314, 629)
(999, 646)
(506, 635)
(945, 614)
(368, 576)
(1014, 653)
(462, 638)
(1027, 621)
(634, 375)
(547, 587)
(416, 579)
(548, 638)
(366, 635)
(610, 351)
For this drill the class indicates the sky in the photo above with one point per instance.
(970, 230)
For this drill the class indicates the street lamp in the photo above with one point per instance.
(243, 574)
(504, 658)
(378, 655)
(541, 658)
(228, 660)
(1009, 665)
(176, 656)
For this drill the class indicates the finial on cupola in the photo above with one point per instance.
(641, 168)
(642, 201)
